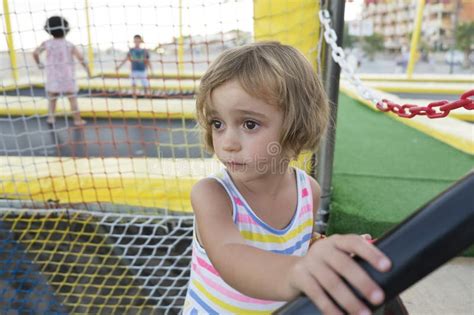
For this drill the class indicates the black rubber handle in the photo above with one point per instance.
(435, 233)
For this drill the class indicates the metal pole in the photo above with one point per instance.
(10, 44)
(415, 37)
(331, 73)
(90, 51)
(455, 19)
(180, 40)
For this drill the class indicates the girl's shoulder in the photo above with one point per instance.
(311, 185)
(69, 44)
(211, 185)
(56, 42)
(209, 190)
(306, 177)
(47, 42)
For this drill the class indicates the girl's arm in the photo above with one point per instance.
(266, 275)
(36, 55)
(252, 271)
(76, 53)
(316, 189)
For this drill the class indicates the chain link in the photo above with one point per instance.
(436, 109)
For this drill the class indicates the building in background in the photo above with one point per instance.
(394, 20)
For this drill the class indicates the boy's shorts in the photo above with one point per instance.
(139, 75)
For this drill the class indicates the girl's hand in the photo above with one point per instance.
(368, 238)
(328, 260)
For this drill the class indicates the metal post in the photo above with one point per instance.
(331, 85)
(180, 40)
(455, 19)
(415, 37)
(90, 51)
(10, 44)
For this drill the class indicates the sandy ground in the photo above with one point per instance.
(448, 290)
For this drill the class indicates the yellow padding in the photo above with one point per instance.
(113, 85)
(293, 23)
(13, 87)
(419, 87)
(462, 116)
(141, 182)
(423, 78)
(166, 76)
(179, 85)
(103, 107)
(304, 161)
(116, 87)
(166, 193)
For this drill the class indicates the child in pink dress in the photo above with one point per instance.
(60, 67)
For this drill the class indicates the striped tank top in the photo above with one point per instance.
(207, 291)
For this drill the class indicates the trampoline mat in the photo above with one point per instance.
(165, 138)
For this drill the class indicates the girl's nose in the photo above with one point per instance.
(231, 141)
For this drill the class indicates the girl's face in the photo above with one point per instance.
(245, 131)
(137, 41)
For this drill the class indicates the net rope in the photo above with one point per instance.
(97, 219)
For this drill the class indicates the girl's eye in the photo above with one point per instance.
(216, 124)
(250, 125)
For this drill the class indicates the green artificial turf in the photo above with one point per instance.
(384, 170)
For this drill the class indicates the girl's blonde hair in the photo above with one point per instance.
(278, 74)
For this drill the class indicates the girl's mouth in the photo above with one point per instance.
(234, 164)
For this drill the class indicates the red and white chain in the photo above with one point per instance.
(436, 109)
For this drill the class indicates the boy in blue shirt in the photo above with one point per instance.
(140, 60)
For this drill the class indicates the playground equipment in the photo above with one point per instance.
(97, 219)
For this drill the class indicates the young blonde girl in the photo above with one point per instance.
(259, 106)
(60, 67)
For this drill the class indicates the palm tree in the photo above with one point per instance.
(348, 40)
(372, 44)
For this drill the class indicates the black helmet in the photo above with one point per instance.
(57, 26)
